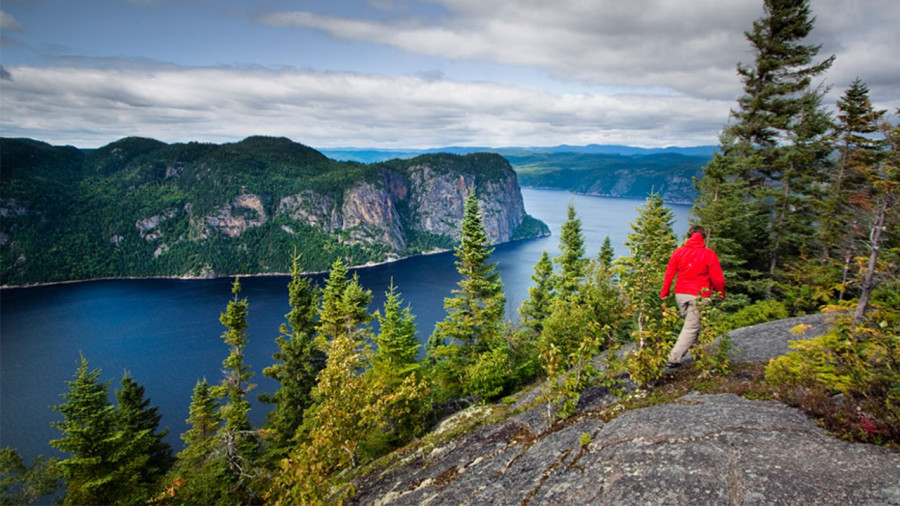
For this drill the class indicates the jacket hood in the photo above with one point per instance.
(696, 241)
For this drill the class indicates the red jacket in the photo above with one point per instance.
(697, 268)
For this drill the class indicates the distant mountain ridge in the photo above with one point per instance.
(140, 207)
(368, 155)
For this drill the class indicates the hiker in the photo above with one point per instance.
(697, 274)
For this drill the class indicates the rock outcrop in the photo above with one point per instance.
(702, 449)
(249, 207)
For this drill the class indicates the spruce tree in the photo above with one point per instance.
(236, 435)
(641, 273)
(607, 254)
(474, 322)
(90, 439)
(345, 406)
(571, 260)
(537, 308)
(773, 151)
(299, 361)
(144, 454)
(842, 225)
(201, 474)
(397, 344)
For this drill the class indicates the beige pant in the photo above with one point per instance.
(687, 304)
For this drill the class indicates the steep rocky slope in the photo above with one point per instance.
(140, 207)
(702, 449)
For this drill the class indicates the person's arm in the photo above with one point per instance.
(716, 277)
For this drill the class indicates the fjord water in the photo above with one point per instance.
(166, 332)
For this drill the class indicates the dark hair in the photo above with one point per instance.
(697, 229)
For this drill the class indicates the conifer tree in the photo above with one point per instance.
(145, 457)
(201, 473)
(90, 439)
(473, 327)
(571, 260)
(345, 407)
(649, 245)
(236, 439)
(300, 360)
(841, 224)
(397, 344)
(537, 308)
(772, 151)
(607, 254)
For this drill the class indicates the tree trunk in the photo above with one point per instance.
(869, 282)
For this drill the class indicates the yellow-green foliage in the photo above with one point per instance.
(860, 361)
(710, 354)
(646, 362)
(758, 312)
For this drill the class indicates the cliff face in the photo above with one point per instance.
(140, 208)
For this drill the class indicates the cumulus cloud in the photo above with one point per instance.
(94, 106)
(655, 43)
(689, 47)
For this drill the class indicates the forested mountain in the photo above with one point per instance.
(141, 207)
(613, 175)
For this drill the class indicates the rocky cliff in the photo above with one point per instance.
(139, 207)
(701, 449)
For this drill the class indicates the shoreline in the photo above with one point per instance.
(220, 276)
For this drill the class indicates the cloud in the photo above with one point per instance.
(689, 47)
(9, 23)
(94, 106)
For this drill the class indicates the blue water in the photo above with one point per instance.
(166, 333)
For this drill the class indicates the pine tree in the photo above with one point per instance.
(236, 437)
(201, 473)
(571, 260)
(145, 457)
(300, 360)
(473, 326)
(842, 227)
(882, 217)
(90, 438)
(537, 308)
(641, 273)
(607, 254)
(345, 407)
(397, 344)
(773, 150)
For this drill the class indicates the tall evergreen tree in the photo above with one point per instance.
(641, 273)
(299, 361)
(537, 308)
(236, 436)
(396, 340)
(201, 473)
(90, 439)
(773, 150)
(474, 322)
(841, 225)
(144, 455)
(345, 407)
(571, 260)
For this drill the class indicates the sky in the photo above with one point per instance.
(407, 74)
